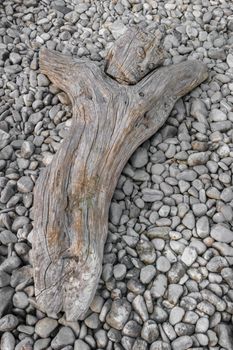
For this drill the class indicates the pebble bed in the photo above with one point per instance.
(167, 280)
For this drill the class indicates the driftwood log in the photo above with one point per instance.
(114, 111)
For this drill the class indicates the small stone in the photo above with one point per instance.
(64, 337)
(4, 279)
(206, 308)
(139, 306)
(119, 271)
(119, 313)
(20, 300)
(45, 327)
(198, 158)
(146, 251)
(8, 323)
(42, 80)
(6, 294)
(27, 149)
(189, 255)
(189, 220)
(227, 274)
(132, 329)
(147, 274)
(199, 209)
(160, 345)
(151, 195)
(92, 321)
(7, 192)
(230, 60)
(225, 335)
(101, 339)
(182, 343)
(15, 57)
(7, 341)
(97, 304)
(81, 345)
(163, 264)
(176, 315)
(187, 175)
(41, 344)
(176, 272)
(227, 194)
(150, 331)
(174, 293)
(202, 325)
(115, 213)
(159, 286)
(202, 227)
(221, 233)
(216, 264)
(139, 158)
(25, 184)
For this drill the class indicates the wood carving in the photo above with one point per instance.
(114, 111)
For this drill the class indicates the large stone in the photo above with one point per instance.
(182, 343)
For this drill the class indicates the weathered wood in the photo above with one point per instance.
(73, 193)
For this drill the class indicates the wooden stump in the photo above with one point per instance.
(113, 113)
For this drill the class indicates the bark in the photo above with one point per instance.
(73, 194)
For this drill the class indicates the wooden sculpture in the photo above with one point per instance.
(114, 111)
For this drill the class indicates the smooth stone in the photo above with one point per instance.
(182, 343)
(7, 341)
(159, 286)
(163, 264)
(81, 345)
(139, 158)
(8, 323)
(221, 234)
(92, 321)
(176, 315)
(225, 335)
(147, 274)
(139, 306)
(189, 256)
(118, 314)
(45, 327)
(150, 331)
(64, 337)
(6, 294)
(115, 213)
(199, 158)
(146, 251)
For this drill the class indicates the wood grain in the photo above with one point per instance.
(112, 116)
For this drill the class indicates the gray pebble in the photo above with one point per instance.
(64, 337)
(119, 271)
(81, 345)
(118, 314)
(150, 331)
(45, 327)
(25, 184)
(139, 158)
(147, 274)
(221, 233)
(182, 343)
(7, 341)
(8, 323)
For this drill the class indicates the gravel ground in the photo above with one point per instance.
(167, 280)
